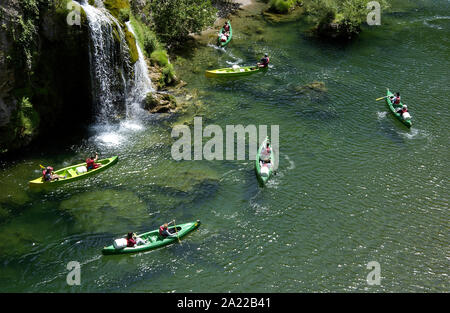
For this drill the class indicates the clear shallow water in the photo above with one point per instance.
(354, 185)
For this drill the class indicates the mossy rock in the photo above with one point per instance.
(131, 42)
(312, 87)
(104, 211)
(115, 6)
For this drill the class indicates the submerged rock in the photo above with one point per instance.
(183, 176)
(106, 210)
(312, 87)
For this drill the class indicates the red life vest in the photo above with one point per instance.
(397, 100)
(89, 163)
(161, 230)
(131, 242)
(404, 110)
(45, 171)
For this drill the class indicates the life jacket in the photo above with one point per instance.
(44, 171)
(404, 110)
(396, 100)
(89, 163)
(161, 230)
(226, 27)
(131, 242)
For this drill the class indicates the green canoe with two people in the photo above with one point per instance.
(399, 109)
(225, 34)
(264, 161)
(72, 173)
(152, 239)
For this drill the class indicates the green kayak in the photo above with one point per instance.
(399, 116)
(223, 44)
(234, 71)
(73, 172)
(154, 239)
(264, 172)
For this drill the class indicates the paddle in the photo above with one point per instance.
(381, 98)
(176, 231)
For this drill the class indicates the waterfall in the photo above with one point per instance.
(117, 85)
(142, 84)
(114, 88)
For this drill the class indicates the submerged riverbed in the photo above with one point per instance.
(353, 185)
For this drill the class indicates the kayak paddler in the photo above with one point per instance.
(164, 230)
(226, 27)
(402, 110)
(264, 61)
(265, 156)
(90, 162)
(395, 100)
(133, 240)
(48, 174)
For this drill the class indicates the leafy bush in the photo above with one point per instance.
(161, 58)
(175, 20)
(338, 18)
(146, 38)
(281, 6)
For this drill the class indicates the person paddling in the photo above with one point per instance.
(48, 174)
(402, 110)
(395, 100)
(133, 240)
(164, 230)
(226, 27)
(90, 162)
(264, 61)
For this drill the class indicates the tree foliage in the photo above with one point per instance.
(175, 20)
(340, 17)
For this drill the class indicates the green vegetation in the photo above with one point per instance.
(340, 19)
(131, 42)
(282, 6)
(175, 20)
(117, 7)
(154, 51)
(161, 58)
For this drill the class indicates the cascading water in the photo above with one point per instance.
(142, 84)
(117, 86)
(110, 65)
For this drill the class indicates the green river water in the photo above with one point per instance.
(354, 185)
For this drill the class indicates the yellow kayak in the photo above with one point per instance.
(234, 71)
